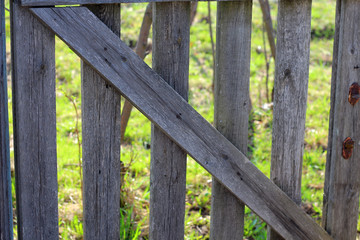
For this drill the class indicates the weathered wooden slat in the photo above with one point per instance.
(6, 231)
(33, 83)
(171, 38)
(341, 198)
(290, 96)
(35, 3)
(122, 68)
(101, 144)
(331, 114)
(232, 75)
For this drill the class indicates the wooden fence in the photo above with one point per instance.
(110, 68)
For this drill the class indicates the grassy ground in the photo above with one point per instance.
(137, 146)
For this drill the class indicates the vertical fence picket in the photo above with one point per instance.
(101, 144)
(341, 197)
(290, 96)
(331, 114)
(5, 178)
(232, 73)
(171, 36)
(34, 109)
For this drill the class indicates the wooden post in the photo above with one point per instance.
(171, 36)
(34, 109)
(341, 191)
(232, 73)
(290, 96)
(6, 231)
(101, 144)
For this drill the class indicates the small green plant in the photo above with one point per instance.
(203, 201)
(128, 229)
(72, 229)
(77, 225)
(254, 227)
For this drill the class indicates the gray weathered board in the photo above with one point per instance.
(146, 90)
(231, 105)
(5, 178)
(34, 111)
(101, 144)
(76, 2)
(290, 96)
(341, 192)
(331, 114)
(171, 38)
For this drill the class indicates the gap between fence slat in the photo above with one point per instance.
(6, 231)
(140, 49)
(171, 38)
(232, 102)
(290, 96)
(146, 90)
(341, 198)
(34, 109)
(101, 144)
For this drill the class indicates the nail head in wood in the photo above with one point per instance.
(354, 93)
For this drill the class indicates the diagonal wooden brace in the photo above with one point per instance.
(122, 68)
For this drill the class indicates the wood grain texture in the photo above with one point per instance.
(290, 96)
(331, 114)
(75, 2)
(101, 144)
(341, 198)
(146, 90)
(232, 73)
(33, 83)
(6, 232)
(171, 38)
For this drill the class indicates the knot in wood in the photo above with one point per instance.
(287, 73)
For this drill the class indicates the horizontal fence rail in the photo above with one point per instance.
(146, 90)
(81, 2)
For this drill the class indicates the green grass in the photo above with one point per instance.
(136, 152)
